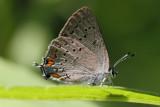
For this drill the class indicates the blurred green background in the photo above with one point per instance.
(28, 26)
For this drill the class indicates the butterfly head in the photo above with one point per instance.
(113, 70)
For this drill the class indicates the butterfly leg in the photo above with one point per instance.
(103, 81)
(107, 80)
(92, 80)
(92, 83)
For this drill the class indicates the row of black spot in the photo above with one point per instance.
(84, 29)
(72, 50)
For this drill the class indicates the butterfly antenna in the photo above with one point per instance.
(123, 58)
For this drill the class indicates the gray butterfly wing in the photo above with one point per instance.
(74, 57)
(81, 46)
(83, 27)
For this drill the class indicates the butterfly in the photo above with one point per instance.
(79, 54)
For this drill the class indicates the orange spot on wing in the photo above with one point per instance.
(55, 75)
(50, 62)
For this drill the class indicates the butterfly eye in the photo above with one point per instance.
(84, 36)
(74, 50)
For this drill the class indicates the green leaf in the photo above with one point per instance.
(74, 92)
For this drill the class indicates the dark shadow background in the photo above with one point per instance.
(28, 26)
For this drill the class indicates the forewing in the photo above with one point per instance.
(82, 26)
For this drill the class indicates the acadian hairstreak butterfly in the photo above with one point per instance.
(78, 54)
